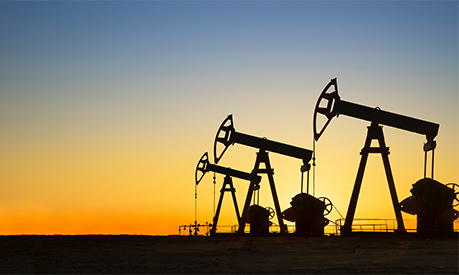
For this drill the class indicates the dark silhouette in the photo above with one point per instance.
(335, 106)
(259, 217)
(308, 214)
(205, 166)
(227, 135)
(433, 203)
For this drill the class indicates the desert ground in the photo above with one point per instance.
(228, 254)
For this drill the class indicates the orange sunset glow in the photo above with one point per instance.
(106, 107)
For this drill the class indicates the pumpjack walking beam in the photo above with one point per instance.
(205, 166)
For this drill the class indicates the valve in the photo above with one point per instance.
(271, 212)
(455, 188)
(328, 205)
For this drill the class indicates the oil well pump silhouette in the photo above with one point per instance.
(432, 201)
(227, 135)
(205, 166)
(330, 105)
(257, 216)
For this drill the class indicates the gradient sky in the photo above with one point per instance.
(106, 107)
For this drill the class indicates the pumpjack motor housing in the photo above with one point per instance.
(259, 217)
(433, 204)
(308, 214)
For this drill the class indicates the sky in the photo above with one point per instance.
(107, 106)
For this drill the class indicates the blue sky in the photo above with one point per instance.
(152, 80)
(71, 43)
(179, 37)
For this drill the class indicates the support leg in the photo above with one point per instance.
(245, 211)
(270, 173)
(347, 228)
(217, 213)
(390, 181)
(233, 193)
(276, 205)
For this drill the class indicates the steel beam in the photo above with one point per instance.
(271, 146)
(387, 118)
(233, 173)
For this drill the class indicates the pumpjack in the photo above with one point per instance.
(205, 166)
(330, 105)
(227, 135)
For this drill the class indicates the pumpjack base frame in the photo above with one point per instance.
(262, 157)
(374, 133)
(228, 181)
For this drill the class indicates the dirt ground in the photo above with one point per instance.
(227, 254)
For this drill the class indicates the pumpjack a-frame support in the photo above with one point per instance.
(374, 133)
(262, 157)
(228, 181)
